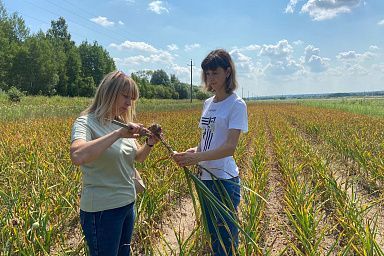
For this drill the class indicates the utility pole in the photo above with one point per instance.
(191, 65)
(242, 92)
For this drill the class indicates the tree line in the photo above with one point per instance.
(50, 63)
(157, 84)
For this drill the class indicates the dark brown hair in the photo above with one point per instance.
(215, 59)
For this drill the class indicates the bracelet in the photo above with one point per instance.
(149, 145)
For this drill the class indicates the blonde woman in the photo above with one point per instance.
(106, 155)
(223, 118)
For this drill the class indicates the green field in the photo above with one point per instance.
(320, 170)
(365, 106)
(40, 106)
(44, 107)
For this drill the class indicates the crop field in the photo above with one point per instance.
(320, 171)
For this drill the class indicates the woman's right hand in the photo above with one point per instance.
(135, 131)
(186, 158)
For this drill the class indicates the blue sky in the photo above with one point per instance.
(279, 47)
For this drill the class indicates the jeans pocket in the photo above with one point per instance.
(234, 192)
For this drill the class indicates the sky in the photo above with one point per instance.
(280, 47)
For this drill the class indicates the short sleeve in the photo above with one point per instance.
(238, 118)
(81, 130)
(205, 105)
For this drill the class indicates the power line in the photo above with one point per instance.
(44, 22)
(80, 16)
(77, 7)
(42, 8)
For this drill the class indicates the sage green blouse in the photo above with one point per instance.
(107, 181)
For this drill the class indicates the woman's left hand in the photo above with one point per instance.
(186, 158)
(152, 139)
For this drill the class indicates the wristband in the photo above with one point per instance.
(149, 145)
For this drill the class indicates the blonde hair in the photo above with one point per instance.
(215, 59)
(104, 106)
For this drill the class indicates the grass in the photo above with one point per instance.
(364, 106)
(32, 107)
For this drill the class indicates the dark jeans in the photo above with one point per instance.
(231, 238)
(109, 232)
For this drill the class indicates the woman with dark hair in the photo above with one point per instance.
(223, 118)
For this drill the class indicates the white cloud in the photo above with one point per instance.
(102, 21)
(241, 57)
(172, 47)
(190, 47)
(353, 56)
(298, 42)
(374, 47)
(313, 60)
(328, 9)
(355, 70)
(281, 68)
(162, 57)
(129, 45)
(150, 58)
(157, 7)
(291, 6)
(120, 22)
(380, 23)
(350, 55)
(317, 64)
(180, 70)
(252, 47)
(309, 51)
(379, 68)
(282, 50)
(280, 57)
(243, 63)
(137, 60)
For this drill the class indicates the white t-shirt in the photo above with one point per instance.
(216, 121)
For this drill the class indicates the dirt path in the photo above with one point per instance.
(275, 232)
(73, 242)
(182, 221)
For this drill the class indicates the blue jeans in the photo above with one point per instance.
(109, 232)
(231, 238)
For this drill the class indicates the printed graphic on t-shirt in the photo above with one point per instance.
(209, 130)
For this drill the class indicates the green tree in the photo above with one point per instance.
(73, 71)
(160, 77)
(95, 61)
(36, 66)
(142, 80)
(14, 95)
(180, 88)
(13, 33)
(59, 31)
(60, 38)
(87, 87)
(200, 94)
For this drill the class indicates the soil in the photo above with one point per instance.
(181, 220)
(276, 233)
